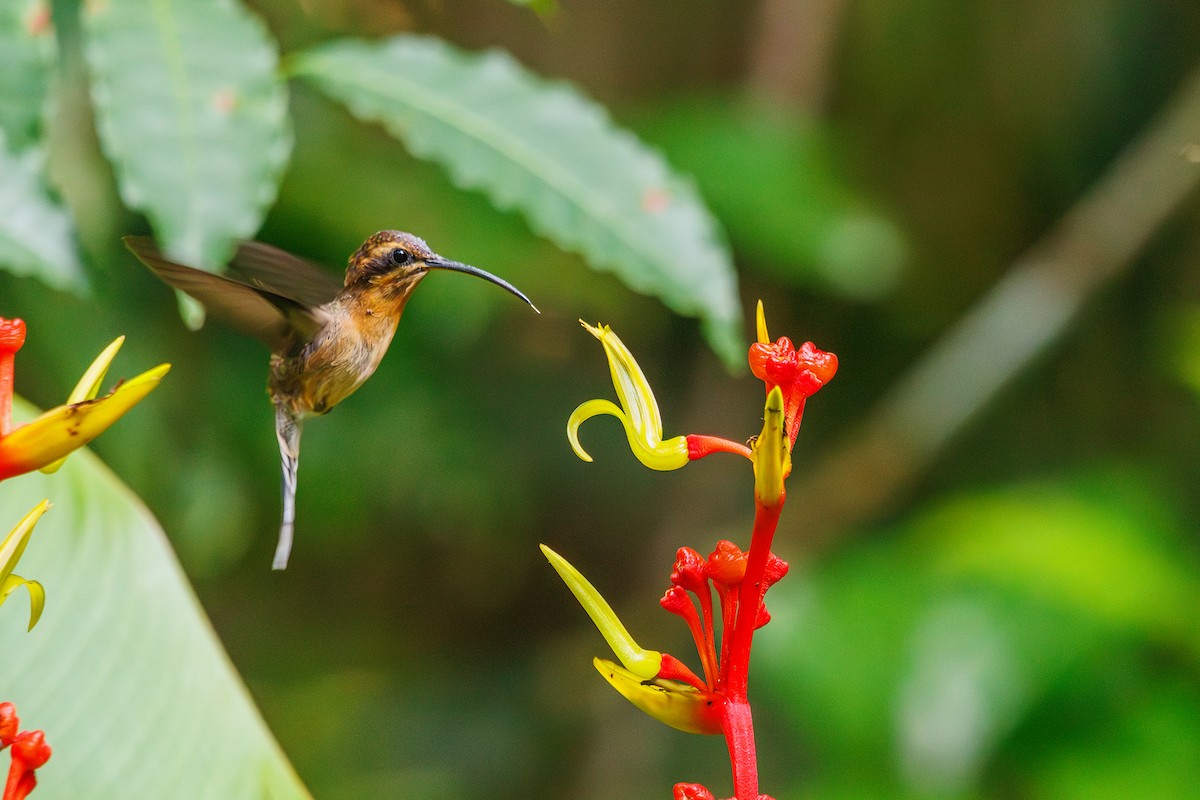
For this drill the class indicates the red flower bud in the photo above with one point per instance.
(798, 374)
(691, 791)
(676, 601)
(690, 570)
(727, 564)
(12, 335)
(9, 724)
(31, 749)
(776, 568)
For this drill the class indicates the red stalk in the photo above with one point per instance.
(739, 738)
(12, 336)
(750, 595)
(709, 653)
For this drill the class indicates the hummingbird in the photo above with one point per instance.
(326, 339)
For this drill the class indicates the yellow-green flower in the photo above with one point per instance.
(638, 411)
(46, 441)
(10, 552)
(772, 452)
(655, 682)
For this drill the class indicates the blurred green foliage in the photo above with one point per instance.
(1021, 624)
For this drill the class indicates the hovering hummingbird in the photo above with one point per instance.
(325, 339)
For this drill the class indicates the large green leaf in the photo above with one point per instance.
(193, 115)
(36, 234)
(123, 673)
(543, 149)
(26, 60)
(782, 192)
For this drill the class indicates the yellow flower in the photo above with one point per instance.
(10, 552)
(45, 442)
(684, 708)
(643, 680)
(643, 663)
(772, 452)
(638, 411)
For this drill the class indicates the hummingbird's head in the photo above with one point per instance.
(394, 262)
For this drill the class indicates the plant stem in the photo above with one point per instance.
(739, 737)
(750, 594)
(6, 391)
(737, 722)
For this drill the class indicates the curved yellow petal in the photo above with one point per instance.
(585, 411)
(14, 543)
(772, 458)
(641, 662)
(638, 411)
(760, 319)
(10, 552)
(37, 596)
(64, 429)
(683, 707)
(89, 386)
(664, 457)
(633, 390)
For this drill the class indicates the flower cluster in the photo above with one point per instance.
(658, 683)
(29, 752)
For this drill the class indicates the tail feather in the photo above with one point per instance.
(287, 429)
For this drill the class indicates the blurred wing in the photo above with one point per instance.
(278, 321)
(283, 274)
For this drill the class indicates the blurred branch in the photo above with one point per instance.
(791, 51)
(1027, 310)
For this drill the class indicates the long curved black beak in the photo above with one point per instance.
(437, 262)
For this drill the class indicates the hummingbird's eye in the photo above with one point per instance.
(400, 257)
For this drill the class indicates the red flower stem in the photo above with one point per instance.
(688, 612)
(13, 787)
(750, 595)
(701, 445)
(709, 654)
(728, 599)
(12, 336)
(6, 390)
(739, 738)
(736, 719)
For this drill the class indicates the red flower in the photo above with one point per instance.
(798, 373)
(29, 753)
(658, 683)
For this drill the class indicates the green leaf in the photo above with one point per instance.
(36, 234)
(26, 61)
(542, 148)
(783, 193)
(124, 673)
(193, 115)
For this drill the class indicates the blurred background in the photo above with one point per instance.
(986, 209)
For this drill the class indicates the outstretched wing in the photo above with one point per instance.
(280, 322)
(284, 274)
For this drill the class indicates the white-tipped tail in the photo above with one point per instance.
(287, 429)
